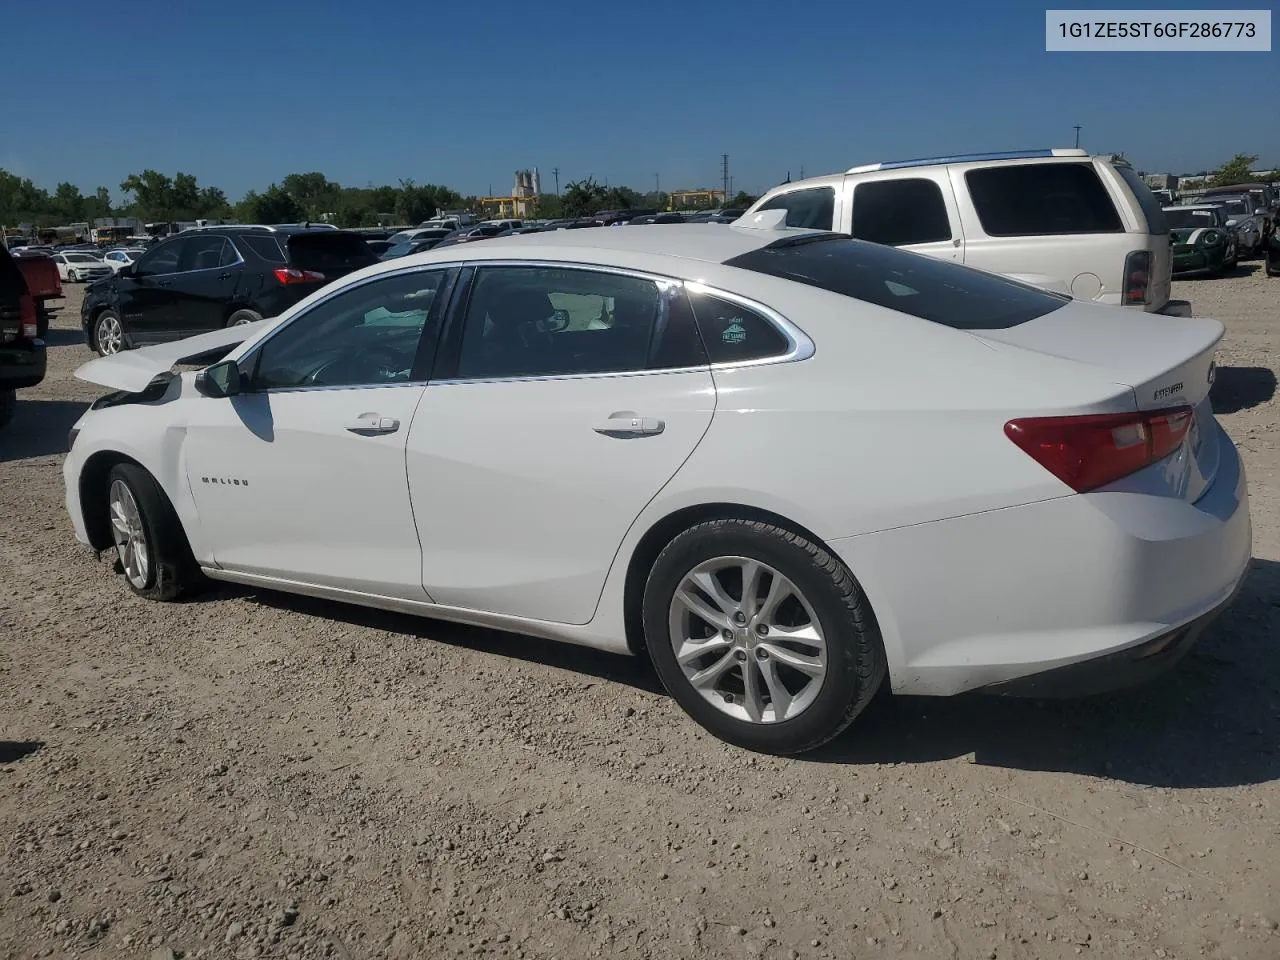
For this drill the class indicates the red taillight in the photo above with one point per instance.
(1090, 451)
(287, 275)
(27, 308)
(1137, 277)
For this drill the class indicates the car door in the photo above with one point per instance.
(915, 210)
(565, 398)
(302, 475)
(205, 285)
(145, 294)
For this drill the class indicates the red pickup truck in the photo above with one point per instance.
(41, 274)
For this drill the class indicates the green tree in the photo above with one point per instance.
(68, 203)
(548, 207)
(152, 195)
(1235, 170)
(582, 198)
(741, 200)
(273, 205)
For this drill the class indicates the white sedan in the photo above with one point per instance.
(782, 464)
(117, 259)
(75, 266)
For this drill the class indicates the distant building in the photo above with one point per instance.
(1162, 181)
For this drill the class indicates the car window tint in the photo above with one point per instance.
(264, 246)
(733, 333)
(541, 321)
(329, 250)
(940, 291)
(813, 207)
(897, 212)
(1042, 199)
(162, 259)
(201, 253)
(230, 256)
(367, 335)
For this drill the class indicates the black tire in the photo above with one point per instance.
(172, 569)
(855, 653)
(243, 316)
(8, 404)
(98, 322)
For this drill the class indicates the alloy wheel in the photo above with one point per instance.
(109, 335)
(747, 640)
(129, 535)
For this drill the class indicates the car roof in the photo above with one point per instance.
(700, 242)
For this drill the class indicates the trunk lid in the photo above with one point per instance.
(1166, 362)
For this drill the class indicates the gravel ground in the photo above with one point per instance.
(249, 774)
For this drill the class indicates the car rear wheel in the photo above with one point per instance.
(761, 635)
(108, 334)
(151, 548)
(241, 317)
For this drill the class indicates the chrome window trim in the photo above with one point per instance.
(344, 288)
(799, 346)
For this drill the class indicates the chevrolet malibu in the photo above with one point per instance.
(785, 465)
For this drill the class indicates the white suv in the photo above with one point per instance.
(1077, 224)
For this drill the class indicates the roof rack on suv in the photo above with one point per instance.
(970, 158)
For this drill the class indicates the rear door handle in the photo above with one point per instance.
(371, 424)
(627, 424)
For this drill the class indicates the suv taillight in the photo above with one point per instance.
(1087, 452)
(287, 275)
(27, 308)
(1137, 277)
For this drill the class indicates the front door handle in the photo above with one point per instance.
(371, 424)
(625, 423)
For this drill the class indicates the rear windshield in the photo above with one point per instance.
(1190, 218)
(936, 290)
(329, 251)
(1042, 199)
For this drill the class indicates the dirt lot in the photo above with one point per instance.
(255, 775)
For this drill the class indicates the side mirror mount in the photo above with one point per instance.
(220, 380)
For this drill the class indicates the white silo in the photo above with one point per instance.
(537, 183)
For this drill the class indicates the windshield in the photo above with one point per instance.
(1191, 218)
(81, 258)
(1238, 207)
(936, 290)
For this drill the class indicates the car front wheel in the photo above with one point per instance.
(151, 548)
(761, 635)
(108, 333)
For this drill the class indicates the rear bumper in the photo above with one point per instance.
(980, 600)
(22, 367)
(1115, 671)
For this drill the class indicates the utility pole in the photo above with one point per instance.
(657, 184)
(724, 175)
(1077, 129)
(555, 172)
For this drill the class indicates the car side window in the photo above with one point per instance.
(549, 321)
(368, 335)
(201, 253)
(230, 255)
(163, 259)
(898, 212)
(264, 246)
(733, 333)
(812, 207)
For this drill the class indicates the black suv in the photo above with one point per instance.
(213, 277)
(22, 352)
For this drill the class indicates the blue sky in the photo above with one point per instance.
(241, 94)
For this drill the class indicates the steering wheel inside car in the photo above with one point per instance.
(376, 364)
